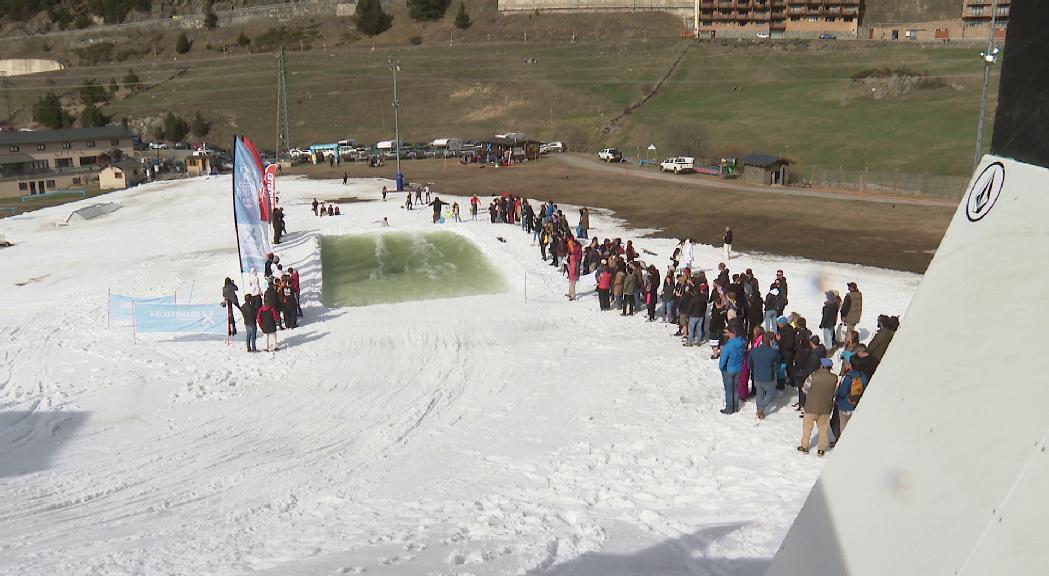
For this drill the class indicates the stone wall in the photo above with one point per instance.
(682, 8)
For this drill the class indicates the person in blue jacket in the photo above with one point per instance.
(731, 364)
(850, 389)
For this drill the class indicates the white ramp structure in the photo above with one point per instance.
(943, 469)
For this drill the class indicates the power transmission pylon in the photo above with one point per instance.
(283, 136)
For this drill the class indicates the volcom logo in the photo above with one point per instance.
(985, 191)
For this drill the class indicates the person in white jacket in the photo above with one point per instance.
(688, 255)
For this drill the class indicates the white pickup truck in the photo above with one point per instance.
(678, 165)
(610, 155)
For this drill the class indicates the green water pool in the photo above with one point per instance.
(365, 269)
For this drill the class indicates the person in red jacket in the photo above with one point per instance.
(604, 285)
(268, 322)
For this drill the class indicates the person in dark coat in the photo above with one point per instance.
(231, 301)
(250, 311)
(267, 320)
(289, 305)
(864, 361)
(829, 318)
(788, 345)
(727, 243)
(882, 338)
(762, 361)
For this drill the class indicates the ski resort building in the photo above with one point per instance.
(38, 162)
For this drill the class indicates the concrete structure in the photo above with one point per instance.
(50, 160)
(764, 169)
(943, 466)
(120, 175)
(23, 66)
(519, 148)
(93, 211)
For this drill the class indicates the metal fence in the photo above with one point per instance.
(882, 182)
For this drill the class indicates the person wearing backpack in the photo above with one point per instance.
(819, 402)
(848, 395)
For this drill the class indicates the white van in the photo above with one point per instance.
(678, 165)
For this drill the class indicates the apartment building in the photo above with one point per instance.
(42, 161)
(778, 18)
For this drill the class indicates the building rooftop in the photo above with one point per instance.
(16, 158)
(63, 135)
(763, 160)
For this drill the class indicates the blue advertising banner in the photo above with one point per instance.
(120, 307)
(253, 241)
(180, 318)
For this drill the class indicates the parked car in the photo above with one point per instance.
(158, 146)
(610, 155)
(181, 146)
(551, 147)
(678, 165)
(763, 35)
(828, 36)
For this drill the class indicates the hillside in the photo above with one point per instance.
(554, 76)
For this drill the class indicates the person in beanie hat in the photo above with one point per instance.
(819, 402)
(852, 308)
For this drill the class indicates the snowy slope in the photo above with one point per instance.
(478, 435)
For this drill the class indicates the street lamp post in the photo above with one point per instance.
(395, 66)
(989, 58)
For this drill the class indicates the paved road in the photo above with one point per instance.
(710, 182)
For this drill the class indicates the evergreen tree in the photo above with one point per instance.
(92, 93)
(182, 44)
(92, 116)
(175, 128)
(243, 39)
(462, 19)
(131, 80)
(201, 127)
(427, 9)
(211, 19)
(113, 86)
(49, 112)
(371, 19)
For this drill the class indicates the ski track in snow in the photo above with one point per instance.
(473, 435)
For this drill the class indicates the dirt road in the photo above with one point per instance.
(811, 224)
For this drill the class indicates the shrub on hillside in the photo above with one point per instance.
(427, 9)
(92, 93)
(175, 128)
(91, 116)
(131, 80)
(201, 127)
(371, 19)
(182, 45)
(415, 40)
(49, 112)
(243, 39)
(462, 19)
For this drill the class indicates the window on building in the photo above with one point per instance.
(114, 142)
(813, 19)
(23, 186)
(63, 162)
(41, 147)
(88, 160)
(50, 183)
(67, 145)
(14, 149)
(90, 143)
(41, 164)
(76, 181)
(847, 18)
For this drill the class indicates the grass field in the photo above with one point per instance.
(797, 99)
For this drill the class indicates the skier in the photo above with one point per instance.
(229, 299)
(437, 204)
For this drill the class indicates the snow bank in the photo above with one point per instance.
(472, 435)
